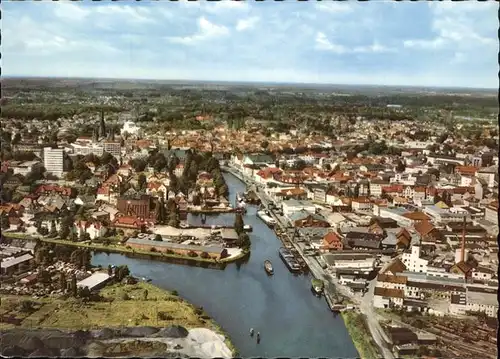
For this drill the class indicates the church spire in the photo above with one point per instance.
(102, 126)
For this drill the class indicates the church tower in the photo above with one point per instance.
(102, 126)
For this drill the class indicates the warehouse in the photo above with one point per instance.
(95, 281)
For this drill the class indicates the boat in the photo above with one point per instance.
(266, 218)
(268, 267)
(289, 260)
(247, 228)
(317, 286)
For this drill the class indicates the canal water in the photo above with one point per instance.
(292, 322)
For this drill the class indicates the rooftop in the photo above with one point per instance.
(94, 280)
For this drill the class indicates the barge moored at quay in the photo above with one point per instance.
(289, 260)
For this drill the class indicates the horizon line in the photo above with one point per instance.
(246, 82)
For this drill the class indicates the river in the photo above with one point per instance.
(292, 322)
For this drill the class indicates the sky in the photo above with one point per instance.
(441, 44)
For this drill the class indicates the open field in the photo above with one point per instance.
(123, 306)
(355, 324)
(73, 314)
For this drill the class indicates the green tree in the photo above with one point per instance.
(110, 270)
(238, 223)
(145, 294)
(27, 306)
(65, 228)
(158, 238)
(400, 167)
(53, 230)
(62, 281)
(141, 181)
(4, 221)
(244, 241)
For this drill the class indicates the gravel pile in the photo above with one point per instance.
(178, 342)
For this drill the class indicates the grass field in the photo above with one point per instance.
(355, 324)
(72, 313)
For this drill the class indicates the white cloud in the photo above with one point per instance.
(104, 14)
(225, 5)
(70, 12)
(245, 24)
(134, 14)
(206, 30)
(460, 24)
(322, 43)
(28, 36)
(335, 7)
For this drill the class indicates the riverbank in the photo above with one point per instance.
(360, 334)
(121, 249)
(122, 305)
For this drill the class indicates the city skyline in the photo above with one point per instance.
(377, 43)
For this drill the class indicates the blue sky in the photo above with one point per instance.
(379, 43)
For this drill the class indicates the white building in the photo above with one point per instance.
(491, 214)
(85, 149)
(396, 214)
(361, 204)
(488, 174)
(113, 147)
(441, 215)
(293, 206)
(95, 281)
(475, 301)
(24, 168)
(130, 127)
(413, 262)
(366, 264)
(53, 160)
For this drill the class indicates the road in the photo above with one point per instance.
(364, 303)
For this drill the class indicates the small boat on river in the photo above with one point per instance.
(268, 266)
(266, 218)
(247, 228)
(317, 286)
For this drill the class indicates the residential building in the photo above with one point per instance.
(388, 297)
(113, 148)
(332, 242)
(145, 206)
(53, 161)
(85, 149)
(361, 204)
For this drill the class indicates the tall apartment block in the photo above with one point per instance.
(113, 147)
(53, 160)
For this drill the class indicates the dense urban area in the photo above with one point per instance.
(387, 199)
